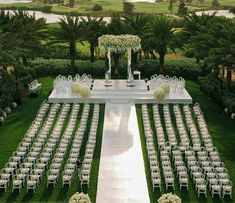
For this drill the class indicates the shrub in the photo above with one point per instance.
(128, 7)
(232, 10)
(212, 86)
(46, 9)
(184, 68)
(97, 7)
(54, 67)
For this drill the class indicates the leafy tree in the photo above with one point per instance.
(136, 25)
(160, 34)
(94, 28)
(70, 31)
(116, 27)
(128, 7)
(223, 50)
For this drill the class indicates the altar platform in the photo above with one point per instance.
(117, 91)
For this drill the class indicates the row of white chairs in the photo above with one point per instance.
(63, 84)
(11, 166)
(177, 85)
(183, 135)
(63, 140)
(151, 151)
(30, 162)
(169, 126)
(85, 172)
(71, 164)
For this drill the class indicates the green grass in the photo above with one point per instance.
(13, 131)
(222, 130)
(109, 6)
(221, 127)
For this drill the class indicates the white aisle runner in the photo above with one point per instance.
(121, 174)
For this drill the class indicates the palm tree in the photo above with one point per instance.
(193, 29)
(70, 31)
(94, 28)
(223, 50)
(160, 34)
(31, 32)
(136, 25)
(116, 27)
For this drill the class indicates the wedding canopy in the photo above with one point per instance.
(120, 44)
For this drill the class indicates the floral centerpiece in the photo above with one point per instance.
(80, 198)
(161, 92)
(120, 43)
(169, 198)
(83, 90)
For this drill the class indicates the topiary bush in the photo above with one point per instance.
(97, 7)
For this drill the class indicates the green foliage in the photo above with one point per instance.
(215, 3)
(54, 67)
(128, 7)
(232, 10)
(47, 9)
(182, 10)
(7, 89)
(184, 68)
(213, 87)
(97, 7)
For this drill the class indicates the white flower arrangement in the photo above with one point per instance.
(79, 198)
(159, 94)
(8, 110)
(166, 87)
(4, 114)
(76, 87)
(120, 43)
(85, 92)
(169, 198)
(14, 105)
(1, 119)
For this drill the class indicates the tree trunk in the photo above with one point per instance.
(161, 62)
(229, 79)
(140, 55)
(92, 52)
(24, 59)
(116, 64)
(72, 56)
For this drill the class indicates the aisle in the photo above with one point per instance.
(121, 175)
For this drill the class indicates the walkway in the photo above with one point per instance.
(121, 175)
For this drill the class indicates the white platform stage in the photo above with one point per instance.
(119, 92)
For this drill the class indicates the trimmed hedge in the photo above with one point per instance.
(186, 68)
(213, 87)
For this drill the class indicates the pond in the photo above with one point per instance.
(225, 13)
(54, 18)
(14, 1)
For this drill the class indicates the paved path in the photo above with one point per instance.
(121, 175)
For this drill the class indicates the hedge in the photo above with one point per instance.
(186, 68)
(213, 87)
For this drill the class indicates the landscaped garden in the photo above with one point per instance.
(199, 49)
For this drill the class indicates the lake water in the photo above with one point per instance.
(14, 1)
(225, 13)
(53, 18)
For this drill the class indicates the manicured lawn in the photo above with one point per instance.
(221, 127)
(222, 130)
(12, 132)
(109, 6)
